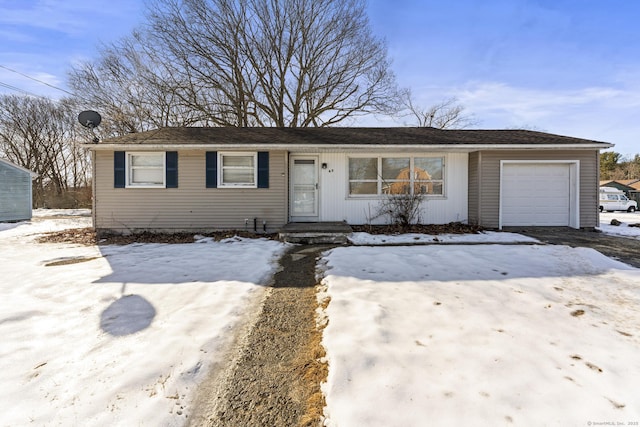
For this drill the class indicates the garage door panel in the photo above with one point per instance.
(535, 194)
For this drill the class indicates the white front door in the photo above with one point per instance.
(304, 188)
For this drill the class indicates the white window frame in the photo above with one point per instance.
(129, 166)
(380, 183)
(221, 155)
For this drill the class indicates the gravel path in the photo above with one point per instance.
(275, 378)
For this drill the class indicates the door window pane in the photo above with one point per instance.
(305, 191)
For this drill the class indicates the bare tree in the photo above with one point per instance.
(243, 63)
(448, 114)
(38, 134)
(131, 89)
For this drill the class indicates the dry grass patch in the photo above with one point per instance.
(313, 369)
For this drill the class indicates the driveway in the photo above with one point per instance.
(623, 249)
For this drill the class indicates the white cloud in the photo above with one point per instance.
(605, 113)
(531, 104)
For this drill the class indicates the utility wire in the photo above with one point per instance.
(17, 89)
(36, 80)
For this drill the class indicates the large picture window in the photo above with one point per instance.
(370, 176)
(237, 170)
(145, 169)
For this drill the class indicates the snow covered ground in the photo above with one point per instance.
(621, 230)
(116, 335)
(481, 335)
(484, 334)
(413, 238)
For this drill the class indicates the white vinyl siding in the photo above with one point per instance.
(337, 204)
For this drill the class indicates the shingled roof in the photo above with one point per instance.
(344, 137)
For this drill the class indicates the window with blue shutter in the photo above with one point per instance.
(119, 169)
(145, 169)
(237, 169)
(211, 169)
(171, 169)
(263, 169)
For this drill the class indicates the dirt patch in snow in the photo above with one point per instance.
(432, 229)
(68, 261)
(78, 236)
(87, 236)
(276, 379)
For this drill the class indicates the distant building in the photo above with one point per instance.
(15, 192)
(630, 187)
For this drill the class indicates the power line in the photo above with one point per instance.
(36, 80)
(17, 89)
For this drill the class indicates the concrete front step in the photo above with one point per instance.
(311, 233)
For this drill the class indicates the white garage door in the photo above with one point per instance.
(536, 194)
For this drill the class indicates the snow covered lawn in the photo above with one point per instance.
(481, 335)
(484, 334)
(625, 218)
(116, 335)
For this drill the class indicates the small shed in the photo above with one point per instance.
(15, 192)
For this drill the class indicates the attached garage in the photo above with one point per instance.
(539, 193)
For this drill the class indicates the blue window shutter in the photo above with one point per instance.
(263, 169)
(212, 169)
(119, 169)
(171, 169)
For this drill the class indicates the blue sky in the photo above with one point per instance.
(570, 67)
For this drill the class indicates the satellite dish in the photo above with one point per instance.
(89, 119)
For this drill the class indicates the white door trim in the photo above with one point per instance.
(311, 216)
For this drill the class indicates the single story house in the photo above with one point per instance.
(15, 192)
(188, 179)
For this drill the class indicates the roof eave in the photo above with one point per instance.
(344, 147)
